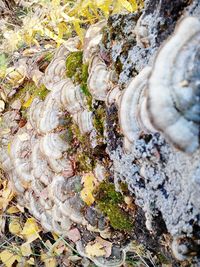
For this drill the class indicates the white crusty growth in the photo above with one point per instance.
(174, 87)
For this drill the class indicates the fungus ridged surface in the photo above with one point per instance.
(69, 165)
(174, 90)
(132, 111)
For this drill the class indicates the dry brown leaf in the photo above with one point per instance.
(95, 250)
(74, 235)
(99, 247)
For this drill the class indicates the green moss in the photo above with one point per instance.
(124, 188)
(162, 258)
(48, 56)
(74, 64)
(82, 138)
(106, 192)
(32, 90)
(108, 201)
(98, 121)
(84, 87)
(78, 72)
(41, 92)
(84, 163)
(83, 152)
(84, 73)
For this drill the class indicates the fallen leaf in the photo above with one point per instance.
(74, 235)
(87, 196)
(15, 227)
(126, 5)
(106, 244)
(31, 230)
(6, 196)
(12, 210)
(48, 260)
(89, 182)
(9, 148)
(28, 102)
(99, 247)
(26, 249)
(55, 236)
(95, 250)
(8, 258)
(31, 261)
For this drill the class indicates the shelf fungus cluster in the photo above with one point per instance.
(84, 108)
(174, 87)
(166, 98)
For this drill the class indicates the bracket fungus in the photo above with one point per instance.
(100, 79)
(133, 116)
(92, 39)
(75, 130)
(174, 90)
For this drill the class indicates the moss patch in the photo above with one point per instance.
(83, 151)
(109, 201)
(78, 72)
(32, 90)
(98, 120)
(74, 64)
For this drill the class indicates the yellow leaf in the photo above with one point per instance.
(87, 196)
(28, 102)
(8, 258)
(26, 249)
(104, 5)
(89, 181)
(62, 28)
(6, 197)
(31, 230)
(12, 209)
(52, 35)
(55, 236)
(80, 32)
(126, 5)
(136, 4)
(31, 261)
(15, 226)
(9, 148)
(49, 261)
